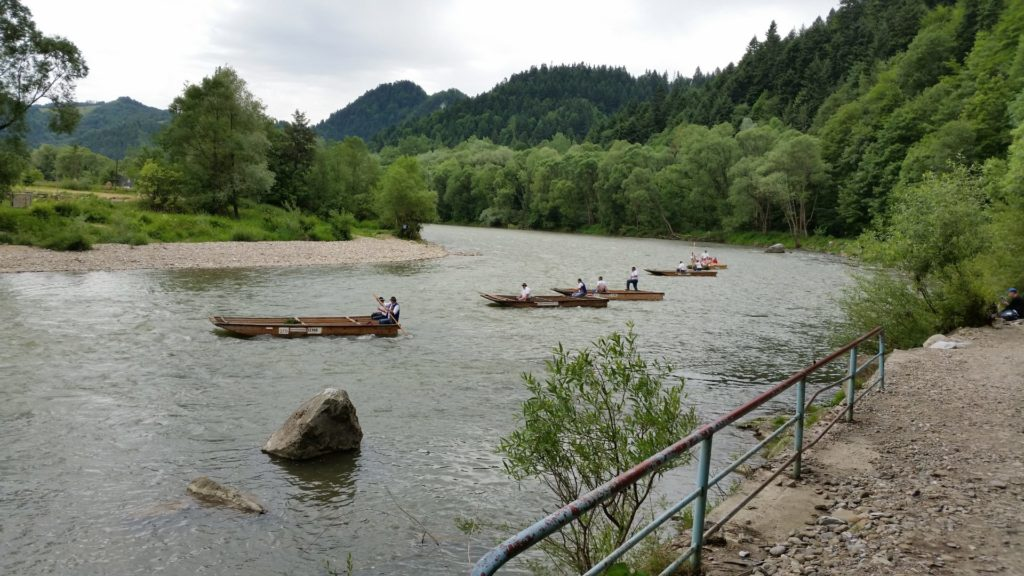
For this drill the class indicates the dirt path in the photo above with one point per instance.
(929, 479)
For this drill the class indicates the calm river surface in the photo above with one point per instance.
(117, 392)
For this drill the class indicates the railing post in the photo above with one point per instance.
(881, 360)
(700, 504)
(798, 433)
(851, 392)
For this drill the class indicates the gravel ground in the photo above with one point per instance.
(215, 255)
(929, 479)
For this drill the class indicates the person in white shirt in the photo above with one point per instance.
(681, 267)
(393, 312)
(524, 294)
(634, 277)
(602, 286)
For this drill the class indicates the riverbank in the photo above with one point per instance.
(929, 479)
(216, 255)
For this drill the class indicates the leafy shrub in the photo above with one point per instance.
(886, 300)
(342, 223)
(599, 413)
(69, 240)
(8, 221)
(43, 211)
(66, 209)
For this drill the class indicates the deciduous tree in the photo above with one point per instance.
(33, 67)
(217, 139)
(403, 200)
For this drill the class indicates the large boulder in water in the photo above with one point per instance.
(214, 493)
(776, 249)
(326, 423)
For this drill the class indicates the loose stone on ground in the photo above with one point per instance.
(216, 255)
(928, 479)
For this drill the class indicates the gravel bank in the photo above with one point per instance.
(929, 479)
(215, 255)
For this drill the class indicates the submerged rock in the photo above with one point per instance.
(214, 493)
(776, 249)
(325, 423)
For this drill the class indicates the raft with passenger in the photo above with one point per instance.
(512, 301)
(682, 273)
(302, 326)
(617, 294)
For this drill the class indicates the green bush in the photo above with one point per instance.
(885, 299)
(599, 413)
(342, 224)
(66, 209)
(43, 211)
(69, 240)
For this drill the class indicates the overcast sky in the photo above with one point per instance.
(319, 55)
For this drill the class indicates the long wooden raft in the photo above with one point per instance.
(512, 301)
(617, 294)
(302, 326)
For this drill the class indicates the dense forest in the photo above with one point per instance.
(899, 123)
(383, 107)
(107, 128)
(533, 106)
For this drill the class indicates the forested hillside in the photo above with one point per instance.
(534, 105)
(384, 107)
(107, 128)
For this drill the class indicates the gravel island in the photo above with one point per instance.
(216, 255)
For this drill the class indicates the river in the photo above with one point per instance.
(117, 392)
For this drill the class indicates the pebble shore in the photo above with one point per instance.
(216, 255)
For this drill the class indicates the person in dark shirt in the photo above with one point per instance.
(393, 312)
(1014, 306)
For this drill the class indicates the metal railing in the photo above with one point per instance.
(525, 539)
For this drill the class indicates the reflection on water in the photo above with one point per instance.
(324, 480)
(118, 392)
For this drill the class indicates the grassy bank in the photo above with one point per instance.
(78, 223)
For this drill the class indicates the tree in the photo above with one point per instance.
(217, 138)
(403, 200)
(292, 151)
(33, 67)
(598, 413)
(796, 174)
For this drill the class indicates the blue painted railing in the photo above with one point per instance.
(524, 540)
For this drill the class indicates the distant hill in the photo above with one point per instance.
(383, 107)
(108, 128)
(534, 105)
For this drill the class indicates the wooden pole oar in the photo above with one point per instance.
(387, 309)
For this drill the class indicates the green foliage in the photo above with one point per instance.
(934, 236)
(217, 140)
(160, 186)
(886, 300)
(533, 106)
(35, 67)
(383, 107)
(79, 223)
(598, 413)
(292, 151)
(108, 128)
(403, 200)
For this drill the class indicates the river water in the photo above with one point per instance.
(117, 392)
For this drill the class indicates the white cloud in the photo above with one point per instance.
(318, 55)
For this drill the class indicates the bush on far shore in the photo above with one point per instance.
(79, 223)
